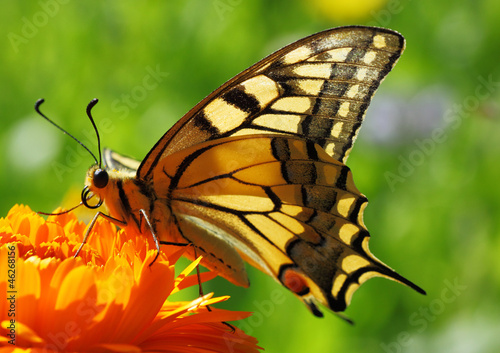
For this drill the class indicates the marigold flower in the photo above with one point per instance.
(108, 299)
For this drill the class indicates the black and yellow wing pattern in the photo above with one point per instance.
(255, 172)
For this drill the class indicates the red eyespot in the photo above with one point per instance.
(295, 282)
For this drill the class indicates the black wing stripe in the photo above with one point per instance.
(280, 149)
(241, 100)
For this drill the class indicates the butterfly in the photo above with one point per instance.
(256, 171)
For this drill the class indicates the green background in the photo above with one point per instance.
(427, 157)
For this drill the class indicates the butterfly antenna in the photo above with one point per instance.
(62, 212)
(91, 105)
(37, 108)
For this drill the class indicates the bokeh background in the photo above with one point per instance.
(427, 157)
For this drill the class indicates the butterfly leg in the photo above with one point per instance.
(157, 242)
(91, 225)
(153, 233)
(200, 292)
(198, 275)
(155, 238)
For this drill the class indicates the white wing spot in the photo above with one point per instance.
(311, 87)
(262, 88)
(361, 74)
(314, 70)
(299, 54)
(223, 115)
(293, 104)
(281, 122)
(353, 91)
(379, 41)
(330, 149)
(369, 57)
(344, 109)
(334, 55)
(337, 129)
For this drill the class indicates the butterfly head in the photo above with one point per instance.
(95, 185)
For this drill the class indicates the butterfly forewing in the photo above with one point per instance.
(256, 170)
(317, 88)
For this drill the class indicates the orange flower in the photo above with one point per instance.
(106, 299)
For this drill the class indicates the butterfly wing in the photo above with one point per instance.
(115, 161)
(317, 88)
(284, 204)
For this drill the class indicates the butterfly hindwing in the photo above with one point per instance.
(284, 204)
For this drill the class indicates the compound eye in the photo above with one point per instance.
(101, 178)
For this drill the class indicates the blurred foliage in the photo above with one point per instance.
(427, 157)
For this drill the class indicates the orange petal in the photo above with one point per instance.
(146, 298)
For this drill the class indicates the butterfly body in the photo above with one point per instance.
(256, 171)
